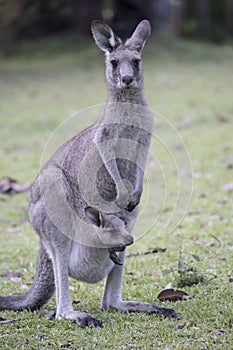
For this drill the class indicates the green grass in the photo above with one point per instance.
(191, 85)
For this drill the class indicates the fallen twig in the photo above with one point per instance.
(153, 251)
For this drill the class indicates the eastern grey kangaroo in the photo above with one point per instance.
(84, 202)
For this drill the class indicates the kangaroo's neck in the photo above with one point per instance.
(135, 96)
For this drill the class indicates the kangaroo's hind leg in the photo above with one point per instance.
(59, 254)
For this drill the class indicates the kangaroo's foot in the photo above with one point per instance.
(133, 306)
(82, 318)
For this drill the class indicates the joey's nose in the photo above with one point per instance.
(130, 240)
(127, 80)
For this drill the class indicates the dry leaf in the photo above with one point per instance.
(172, 295)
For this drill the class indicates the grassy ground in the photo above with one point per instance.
(191, 86)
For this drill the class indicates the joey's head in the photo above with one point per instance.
(110, 229)
(123, 60)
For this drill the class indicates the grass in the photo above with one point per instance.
(191, 85)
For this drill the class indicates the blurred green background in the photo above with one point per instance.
(206, 19)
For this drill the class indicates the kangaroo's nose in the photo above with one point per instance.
(127, 79)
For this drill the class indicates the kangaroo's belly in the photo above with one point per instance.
(89, 264)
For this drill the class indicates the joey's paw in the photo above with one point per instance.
(83, 319)
(114, 257)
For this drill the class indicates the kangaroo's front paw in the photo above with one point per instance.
(134, 201)
(122, 197)
(83, 319)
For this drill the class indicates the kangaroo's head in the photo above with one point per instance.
(109, 229)
(123, 61)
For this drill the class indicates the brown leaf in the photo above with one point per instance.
(172, 295)
(9, 186)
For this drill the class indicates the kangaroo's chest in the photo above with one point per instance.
(89, 264)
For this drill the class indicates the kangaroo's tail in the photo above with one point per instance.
(41, 291)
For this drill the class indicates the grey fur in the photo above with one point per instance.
(84, 222)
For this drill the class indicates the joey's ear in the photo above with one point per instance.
(93, 216)
(139, 36)
(104, 36)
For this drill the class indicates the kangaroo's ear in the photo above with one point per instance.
(139, 36)
(93, 216)
(104, 36)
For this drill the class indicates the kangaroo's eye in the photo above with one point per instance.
(114, 64)
(136, 62)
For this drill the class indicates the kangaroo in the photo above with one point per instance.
(85, 200)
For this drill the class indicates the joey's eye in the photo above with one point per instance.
(136, 62)
(114, 64)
